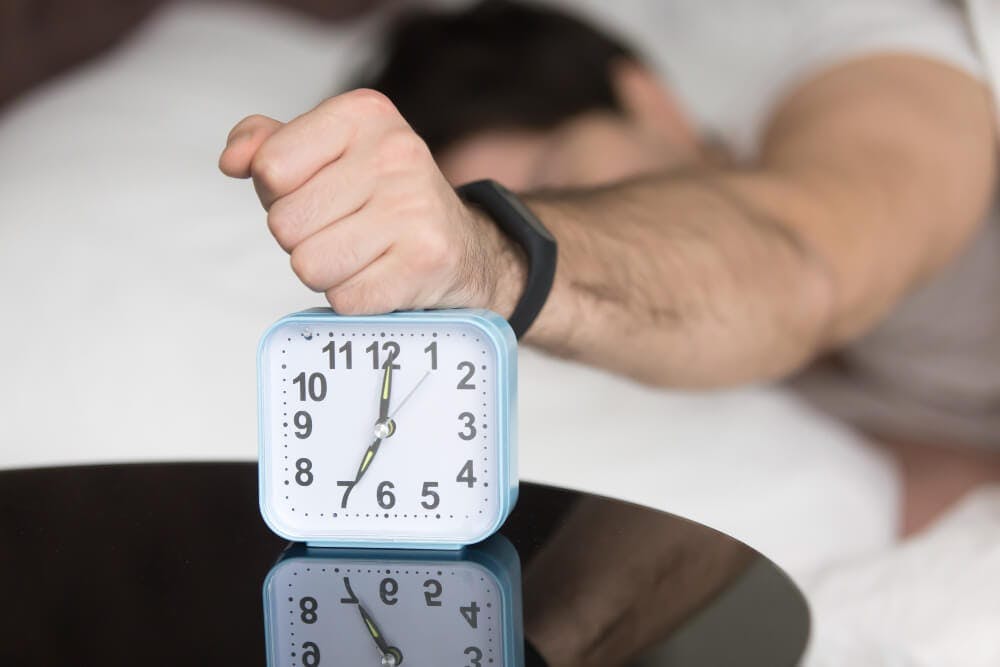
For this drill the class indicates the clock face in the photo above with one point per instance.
(386, 429)
(368, 611)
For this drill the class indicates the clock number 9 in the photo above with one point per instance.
(470, 370)
(315, 386)
(385, 497)
(310, 654)
(303, 476)
(470, 429)
(308, 606)
(304, 423)
(387, 591)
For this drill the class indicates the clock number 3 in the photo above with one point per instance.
(475, 656)
(470, 429)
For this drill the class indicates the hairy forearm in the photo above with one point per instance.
(680, 279)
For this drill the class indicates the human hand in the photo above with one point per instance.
(355, 197)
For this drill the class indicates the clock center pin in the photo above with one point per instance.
(385, 429)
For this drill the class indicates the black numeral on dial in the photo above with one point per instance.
(314, 386)
(303, 424)
(475, 656)
(470, 370)
(469, 420)
(303, 475)
(351, 597)
(386, 498)
(310, 654)
(391, 350)
(387, 591)
(309, 608)
(331, 350)
(432, 498)
(432, 591)
(471, 614)
(432, 350)
(466, 476)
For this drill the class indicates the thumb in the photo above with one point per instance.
(243, 141)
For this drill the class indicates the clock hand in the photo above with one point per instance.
(383, 402)
(407, 397)
(391, 656)
(384, 428)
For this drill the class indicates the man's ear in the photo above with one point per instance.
(648, 100)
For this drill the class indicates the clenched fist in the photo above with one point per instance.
(354, 195)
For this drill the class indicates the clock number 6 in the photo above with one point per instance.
(385, 497)
(470, 428)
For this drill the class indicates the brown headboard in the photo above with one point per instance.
(40, 38)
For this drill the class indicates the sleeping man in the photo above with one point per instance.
(811, 203)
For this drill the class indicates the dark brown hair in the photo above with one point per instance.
(499, 65)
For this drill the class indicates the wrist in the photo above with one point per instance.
(504, 264)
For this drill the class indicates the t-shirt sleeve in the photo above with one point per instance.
(829, 34)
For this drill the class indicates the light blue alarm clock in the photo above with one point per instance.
(392, 608)
(388, 431)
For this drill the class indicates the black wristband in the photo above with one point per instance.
(517, 222)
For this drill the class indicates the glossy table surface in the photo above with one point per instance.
(168, 564)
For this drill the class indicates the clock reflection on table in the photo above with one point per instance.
(165, 564)
(389, 608)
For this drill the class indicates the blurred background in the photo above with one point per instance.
(135, 281)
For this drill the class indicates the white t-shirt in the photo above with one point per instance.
(932, 369)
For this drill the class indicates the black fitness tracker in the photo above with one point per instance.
(517, 222)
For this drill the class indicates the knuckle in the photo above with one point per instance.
(267, 170)
(309, 268)
(402, 147)
(371, 101)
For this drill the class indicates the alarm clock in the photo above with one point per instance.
(391, 608)
(393, 430)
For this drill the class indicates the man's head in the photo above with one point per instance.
(530, 96)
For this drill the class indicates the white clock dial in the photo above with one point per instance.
(377, 430)
(364, 612)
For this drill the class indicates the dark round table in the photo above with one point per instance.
(164, 564)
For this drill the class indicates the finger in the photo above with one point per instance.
(337, 191)
(243, 141)
(383, 286)
(303, 146)
(340, 251)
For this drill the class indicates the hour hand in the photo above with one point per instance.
(391, 656)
